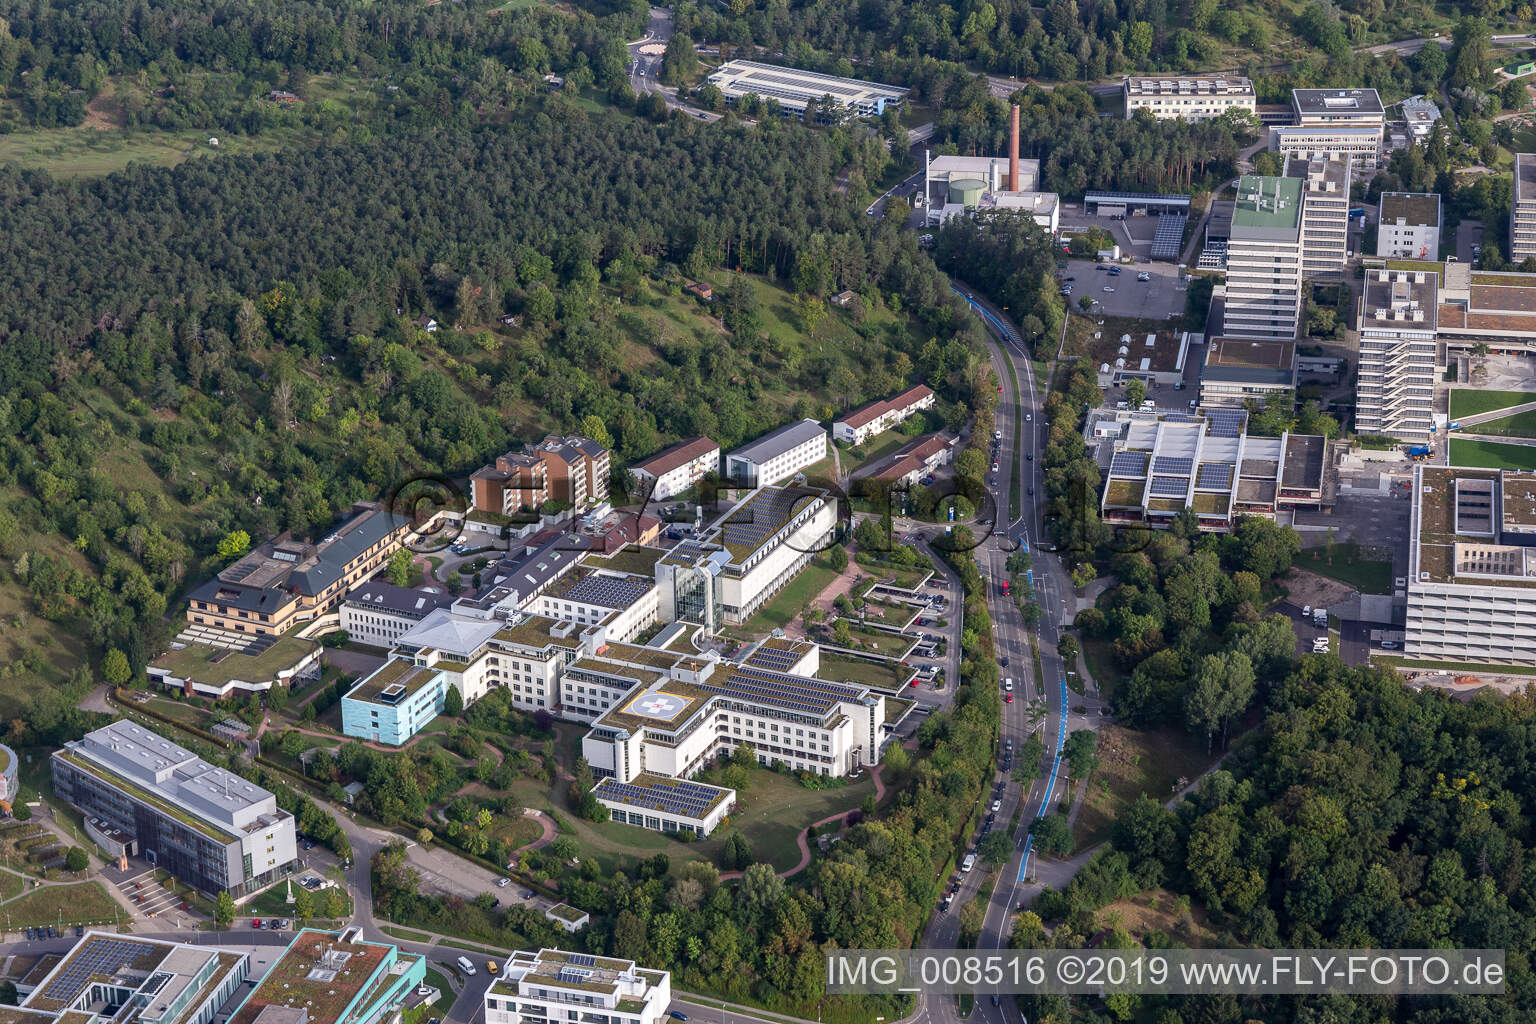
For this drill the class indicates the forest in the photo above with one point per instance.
(239, 350)
(1359, 813)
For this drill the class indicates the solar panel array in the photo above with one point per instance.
(1226, 422)
(98, 957)
(1215, 475)
(581, 960)
(1170, 233)
(764, 516)
(1129, 464)
(607, 591)
(674, 796)
(1169, 487)
(802, 692)
(774, 658)
(1173, 464)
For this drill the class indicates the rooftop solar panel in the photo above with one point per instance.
(1214, 474)
(1129, 464)
(1172, 464)
(1225, 422)
(1169, 237)
(97, 957)
(1169, 487)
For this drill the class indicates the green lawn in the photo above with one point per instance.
(1099, 654)
(1492, 455)
(1367, 575)
(81, 903)
(273, 903)
(405, 933)
(92, 153)
(872, 450)
(1470, 401)
(1521, 424)
(1133, 762)
(793, 599)
(775, 807)
(853, 670)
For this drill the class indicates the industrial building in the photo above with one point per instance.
(333, 978)
(1324, 215)
(796, 90)
(207, 827)
(394, 702)
(1159, 464)
(777, 456)
(1264, 258)
(1241, 369)
(673, 470)
(1189, 99)
(553, 985)
(132, 980)
(287, 580)
(956, 186)
(1472, 566)
(1396, 319)
(1408, 226)
(1522, 216)
(875, 418)
(376, 613)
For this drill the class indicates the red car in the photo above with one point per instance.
(256, 922)
(1007, 698)
(914, 682)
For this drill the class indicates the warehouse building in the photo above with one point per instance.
(798, 91)
(207, 827)
(1472, 566)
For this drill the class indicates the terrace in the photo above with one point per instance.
(217, 666)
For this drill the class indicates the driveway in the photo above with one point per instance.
(1468, 234)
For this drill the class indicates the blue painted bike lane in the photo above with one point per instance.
(1050, 783)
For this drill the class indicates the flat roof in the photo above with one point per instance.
(1250, 353)
(1267, 207)
(604, 588)
(1402, 301)
(1525, 177)
(259, 662)
(1225, 85)
(633, 558)
(750, 525)
(392, 682)
(1302, 468)
(1337, 102)
(739, 77)
(660, 793)
(1419, 209)
(318, 973)
(1473, 526)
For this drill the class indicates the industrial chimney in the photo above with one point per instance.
(1013, 149)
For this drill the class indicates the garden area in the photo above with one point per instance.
(77, 903)
(1492, 454)
(1367, 569)
(1471, 401)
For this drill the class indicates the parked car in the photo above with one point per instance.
(502, 883)
(676, 1015)
(255, 922)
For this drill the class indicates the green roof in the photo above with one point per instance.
(1284, 214)
(397, 671)
(215, 666)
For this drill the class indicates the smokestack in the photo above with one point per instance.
(1013, 149)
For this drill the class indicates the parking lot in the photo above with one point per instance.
(1159, 297)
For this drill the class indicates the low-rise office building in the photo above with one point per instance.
(553, 985)
(627, 602)
(1158, 464)
(286, 580)
(1361, 146)
(1239, 369)
(145, 981)
(376, 613)
(1408, 226)
(333, 978)
(1498, 309)
(778, 455)
(673, 470)
(874, 418)
(1355, 108)
(207, 827)
(1188, 98)
(1472, 566)
(828, 98)
(394, 702)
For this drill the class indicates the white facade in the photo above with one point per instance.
(1472, 582)
(776, 457)
(875, 418)
(555, 986)
(1408, 226)
(1395, 392)
(525, 654)
(796, 90)
(1360, 145)
(1189, 99)
(678, 468)
(1324, 215)
(750, 578)
(1522, 215)
(1263, 294)
(627, 603)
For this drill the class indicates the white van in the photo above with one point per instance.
(466, 966)
(969, 862)
(1008, 685)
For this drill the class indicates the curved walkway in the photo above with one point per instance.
(801, 839)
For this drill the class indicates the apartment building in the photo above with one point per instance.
(1472, 566)
(1408, 226)
(207, 827)
(570, 469)
(326, 977)
(1324, 215)
(875, 418)
(673, 470)
(909, 464)
(1264, 259)
(377, 613)
(394, 702)
(1160, 464)
(1189, 99)
(150, 981)
(553, 985)
(1522, 216)
(1397, 322)
(286, 580)
(777, 456)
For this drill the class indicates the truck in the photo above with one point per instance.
(1454, 425)
(1419, 452)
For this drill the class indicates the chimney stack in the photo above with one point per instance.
(1013, 149)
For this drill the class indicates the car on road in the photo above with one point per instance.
(1003, 661)
(1007, 698)
(1029, 417)
(256, 922)
(1031, 492)
(997, 805)
(1143, 276)
(677, 1015)
(1108, 288)
(490, 967)
(529, 894)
